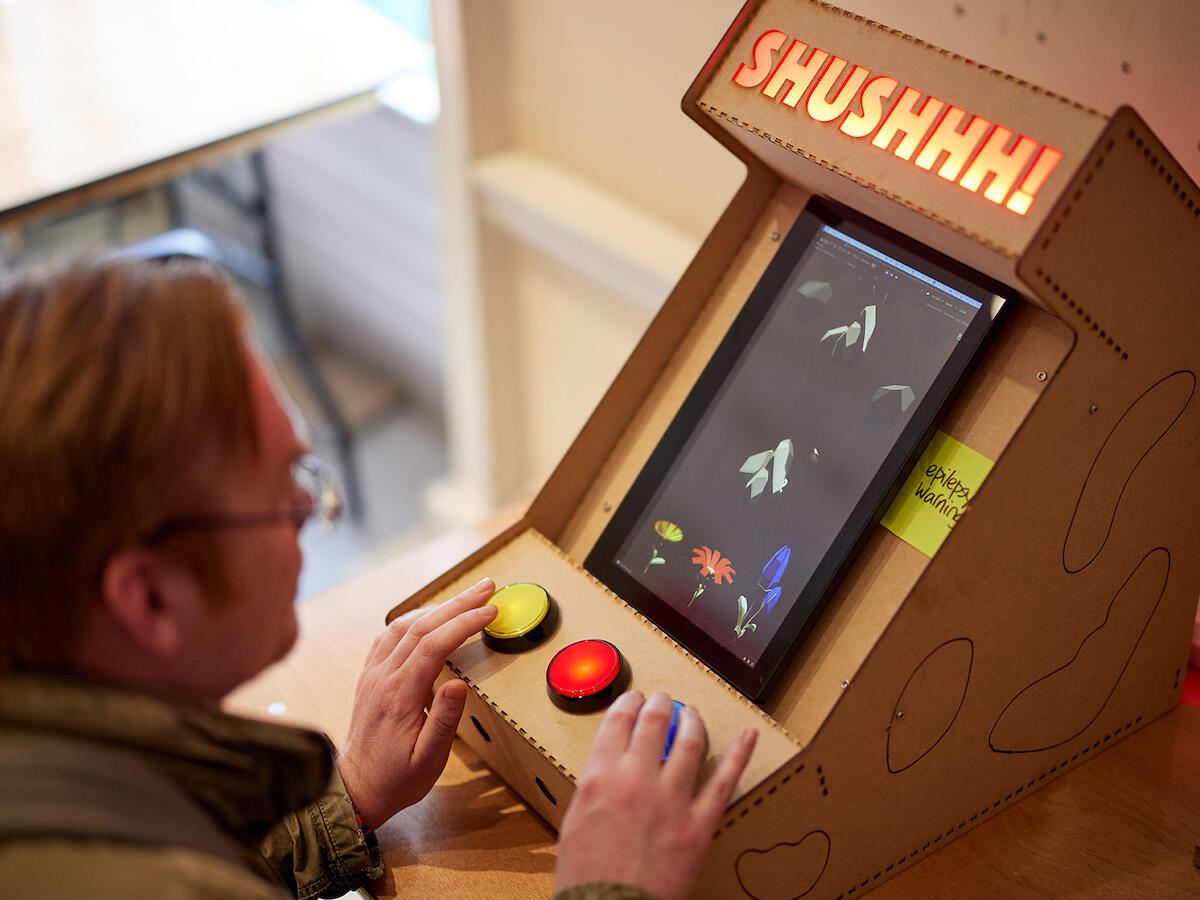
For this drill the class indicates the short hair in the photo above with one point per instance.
(116, 376)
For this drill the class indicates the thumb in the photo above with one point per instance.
(437, 734)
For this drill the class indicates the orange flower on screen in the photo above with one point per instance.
(713, 563)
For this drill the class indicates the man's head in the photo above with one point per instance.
(128, 399)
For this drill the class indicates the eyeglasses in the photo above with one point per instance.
(318, 499)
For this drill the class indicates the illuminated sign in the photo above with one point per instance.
(965, 148)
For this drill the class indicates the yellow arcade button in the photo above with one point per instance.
(523, 608)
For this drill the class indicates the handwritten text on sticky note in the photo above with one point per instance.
(936, 492)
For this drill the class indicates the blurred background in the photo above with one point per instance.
(452, 219)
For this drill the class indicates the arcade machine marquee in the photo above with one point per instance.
(902, 474)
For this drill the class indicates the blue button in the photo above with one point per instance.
(672, 729)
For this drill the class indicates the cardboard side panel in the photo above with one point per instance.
(1055, 618)
(838, 92)
(987, 414)
(1001, 670)
(513, 686)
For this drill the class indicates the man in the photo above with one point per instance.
(151, 495)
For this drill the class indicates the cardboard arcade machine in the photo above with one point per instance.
(940, 676)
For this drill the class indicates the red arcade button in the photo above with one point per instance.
(586, 675)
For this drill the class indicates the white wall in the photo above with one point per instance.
(588, 193)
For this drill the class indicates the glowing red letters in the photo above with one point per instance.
(962, 148)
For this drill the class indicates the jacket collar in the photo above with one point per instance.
(247, 773)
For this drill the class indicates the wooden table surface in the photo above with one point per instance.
(101, 98)
(1125, 824)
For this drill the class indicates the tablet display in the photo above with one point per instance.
(796, 435)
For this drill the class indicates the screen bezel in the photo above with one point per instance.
(756, 681)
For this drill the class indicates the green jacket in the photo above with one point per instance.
(110, 792)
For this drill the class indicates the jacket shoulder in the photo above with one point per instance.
(51, 868)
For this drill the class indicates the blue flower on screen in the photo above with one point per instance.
(769, 581)
(772, 572)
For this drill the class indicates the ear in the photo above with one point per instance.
(148, 599)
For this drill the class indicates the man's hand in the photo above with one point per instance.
(642, 822)
(395, 750)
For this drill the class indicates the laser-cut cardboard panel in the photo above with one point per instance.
(1055, 618)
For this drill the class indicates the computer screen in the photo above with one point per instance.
(822, 393)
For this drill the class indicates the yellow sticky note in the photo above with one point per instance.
(935, 493)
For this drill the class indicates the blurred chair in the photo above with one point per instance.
(260, 268)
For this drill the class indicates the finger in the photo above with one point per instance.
(687, 753)
(434, 617)
(714, 796)
(385, 642)
(612, 738)
(437, 734)
(650, 733)
(424, 664)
